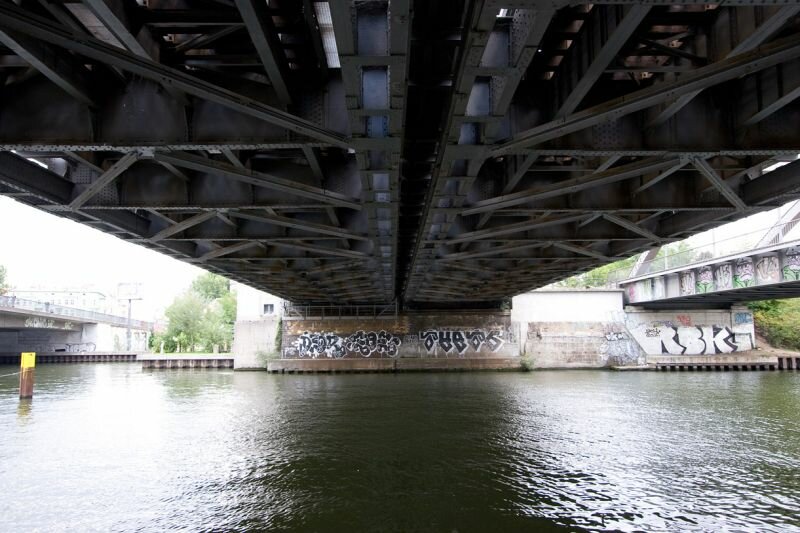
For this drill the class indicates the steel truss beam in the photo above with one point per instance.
(458, 156)
(768, 55)
(20, 20)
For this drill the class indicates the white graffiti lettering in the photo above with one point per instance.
(36, 322)
(699, 340)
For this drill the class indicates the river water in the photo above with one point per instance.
(110, 447)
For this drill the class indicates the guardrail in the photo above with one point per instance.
(12, 302)
(297, 311)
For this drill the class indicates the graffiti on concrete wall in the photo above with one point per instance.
(791, 264)
(363, 343)
(699, 340)
(767, 269)
(743, 274)
(369, 342)
(459, 341)
(36, 322)
(618, 348)
(723, 277)
(65, 347)
(742, 318)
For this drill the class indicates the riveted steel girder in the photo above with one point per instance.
(436, 153)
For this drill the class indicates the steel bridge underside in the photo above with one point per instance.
(432, 153)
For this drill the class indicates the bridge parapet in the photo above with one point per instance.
(769, 272)
(37, 308)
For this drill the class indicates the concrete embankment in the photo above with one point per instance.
(61, 357)
(174, 361)
(749, 361)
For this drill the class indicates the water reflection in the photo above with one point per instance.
(217, 450)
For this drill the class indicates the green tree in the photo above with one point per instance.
(216, 331)
(228, 305)
(672, 255)
(186, 315)
(201, 318)
(211, 287)
(598, 277)
(778, 321)
(3, 283)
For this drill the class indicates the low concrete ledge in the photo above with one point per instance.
(742, 361)
(391, 365)
(73, 357)
(186, 361)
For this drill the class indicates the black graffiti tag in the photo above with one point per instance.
(460, 340)
(476, 339)
(430, 338)
(367, 343)
(494, 340)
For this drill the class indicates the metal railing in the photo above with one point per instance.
(59, 311)
(299, 311)
(716, 249)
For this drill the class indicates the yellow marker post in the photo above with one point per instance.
(27, 363)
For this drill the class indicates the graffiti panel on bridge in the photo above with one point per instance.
(767, 269)
(460, 341)
(723, 277)
(659, 288)
(743, 275)
(705, 280)
(791, 264)
(687, 282)
(698, 340)
(360, 343)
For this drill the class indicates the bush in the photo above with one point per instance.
(778, 321)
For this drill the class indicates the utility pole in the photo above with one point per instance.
(129, 292)
(128, 333)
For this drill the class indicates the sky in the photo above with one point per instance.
(42, 250)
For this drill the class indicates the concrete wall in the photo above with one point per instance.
(418, 335)
(554, 329)
(77, 338)
(108, 338)
(251, 303)
(254, 342)
(578, 305)
(575, 328)
(692, 332)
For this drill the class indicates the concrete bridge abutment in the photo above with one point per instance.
(545, 329)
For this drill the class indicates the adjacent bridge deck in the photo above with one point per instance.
(425, 152)
(759, 274)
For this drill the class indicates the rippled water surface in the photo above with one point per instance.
(109, 447)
